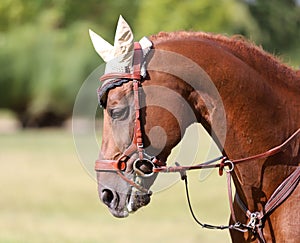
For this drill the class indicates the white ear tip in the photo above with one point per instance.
(91, 32)
(122, 23)
(93, 35)
(102, 47)
(123, 44)
(121, 19)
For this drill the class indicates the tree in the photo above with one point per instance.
(45, 51)
(46, 54)
(279, 23)
(220, 16)
(273, 24)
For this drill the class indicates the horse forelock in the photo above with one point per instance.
(266, 64)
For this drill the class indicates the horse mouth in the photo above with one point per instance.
(134, 201)
(137, 200)
(125, 199)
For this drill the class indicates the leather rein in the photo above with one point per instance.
(154, 165)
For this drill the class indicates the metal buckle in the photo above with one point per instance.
(255, 221)
(140, 145)
(137, 164)
(230, 164)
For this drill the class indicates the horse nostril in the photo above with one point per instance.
(107, 197)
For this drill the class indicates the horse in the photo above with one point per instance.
(245, 98)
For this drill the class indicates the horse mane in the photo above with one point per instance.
(269, 66)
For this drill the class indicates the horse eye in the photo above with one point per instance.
(119, 113)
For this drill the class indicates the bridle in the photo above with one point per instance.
(137, 145)
(154, 165)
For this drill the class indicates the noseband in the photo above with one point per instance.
(154, 165)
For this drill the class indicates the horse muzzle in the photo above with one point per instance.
(124, 184)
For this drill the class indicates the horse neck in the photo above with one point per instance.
(260, 114)
(261, 110)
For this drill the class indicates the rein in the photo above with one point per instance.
(256, 219)
(154, 165)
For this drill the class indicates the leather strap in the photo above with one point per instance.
(229, 191)
(119, 75)
(282, 192)
(119, 166)
(272, 151)
(222, 164)
(137, 60)
(257, 219)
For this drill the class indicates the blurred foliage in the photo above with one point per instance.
(220, 16)
(273, 24)
(279, 23)
(46, 54)
(43, 68)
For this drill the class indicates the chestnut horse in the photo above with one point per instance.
(256, 95)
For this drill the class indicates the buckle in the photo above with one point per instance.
(143, 167)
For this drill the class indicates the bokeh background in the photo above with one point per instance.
(45, 56)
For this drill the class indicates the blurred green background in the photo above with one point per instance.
(45, 56)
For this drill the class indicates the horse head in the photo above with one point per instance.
(141, 124)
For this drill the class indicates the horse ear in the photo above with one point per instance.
(102, 47)
(124, 40)
(120, 55)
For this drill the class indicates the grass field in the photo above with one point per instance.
(47, 196)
